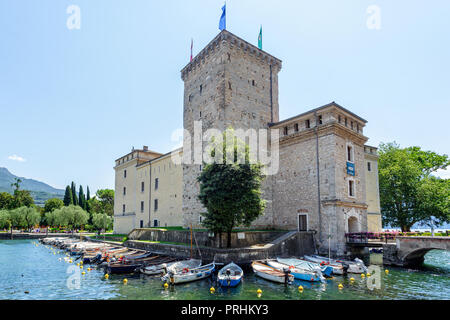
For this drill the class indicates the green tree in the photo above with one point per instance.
(52, 204)
(103, 202)
(409, 194)
(68, 199)
(22, 198)
(16, 219)
(29, 216)
(88, 197)
(6, 200)
(5, 221)
(72, 216)
(230, 186)
(102, 221)
(74, 194)
(81, 198)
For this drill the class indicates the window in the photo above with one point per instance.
(285, 130)
(123, 208)
(200, 114)
(369, 168)
(302, 222)
(253, 82)
(156, 183)
(351, 125)
(142, 223)
(320, 119)
(201, 89)
(351, 188)
(156, 205)
(229, 85)
(142, 206)
(142, 186)
(345, 121)
(200, 219)
(124, 173)
(357, 127)
(339, 118)
(308, 124)
(296, 127)
(124, 190)
(155, 223)
(350, 153)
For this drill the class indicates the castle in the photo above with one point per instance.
(326, 180)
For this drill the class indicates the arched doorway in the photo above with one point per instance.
(353, 225)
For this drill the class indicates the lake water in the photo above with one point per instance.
(30, 270)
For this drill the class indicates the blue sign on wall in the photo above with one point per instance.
(350, 168)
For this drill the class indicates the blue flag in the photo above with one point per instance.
(222, 22)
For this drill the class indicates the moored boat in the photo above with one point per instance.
(327, 271)
(298, 273)
(271, 274)
(343, 266)
(190, 275)
(230, 275)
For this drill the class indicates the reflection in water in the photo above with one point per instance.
(39, 271)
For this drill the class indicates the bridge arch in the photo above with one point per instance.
(412, 250)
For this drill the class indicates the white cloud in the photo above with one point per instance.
(15, 157)
(443, 174)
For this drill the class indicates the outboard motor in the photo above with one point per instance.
(345, 267)
(228, 273)
(287, 272)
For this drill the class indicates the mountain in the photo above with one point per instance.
(40, 191)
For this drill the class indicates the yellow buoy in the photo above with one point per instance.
(363, 275)
(81, 262)
(352, 279)
(78, 264)
(125, 281)
(340, 286)
(106, 276)
(259, 291)
(70, 261)
(386, 271)
(368, 274)
(83, 272)
(300, 288)
(89, 269)
(212, 290)
(166, 285)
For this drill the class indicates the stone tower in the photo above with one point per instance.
(229, 83)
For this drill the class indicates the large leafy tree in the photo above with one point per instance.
(102, 221)
(5, 221)
(230, 186)
(6, 200)
(68, 198)
(409, 193)
(71, 216)
(103, 202)
(29, 216)
(52, 204)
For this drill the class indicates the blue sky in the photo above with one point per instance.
(72, 101)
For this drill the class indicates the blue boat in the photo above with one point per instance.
(230, 275)
(326, 270)
(298, 273)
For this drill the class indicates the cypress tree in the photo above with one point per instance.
(88, 197)
(74, 194)
(81, 198)
(68, 200)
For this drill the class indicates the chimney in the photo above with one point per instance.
(145, 148)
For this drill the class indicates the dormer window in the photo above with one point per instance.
(357, 127)
(351, 125)
(285, 130)
(319, 119)
(296, 127)
(339, 118)
(345, 121)
(307, 124)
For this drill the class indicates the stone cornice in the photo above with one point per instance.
(233, 41)
(341, 203)
(325, 129)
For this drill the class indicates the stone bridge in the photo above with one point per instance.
(410, 251)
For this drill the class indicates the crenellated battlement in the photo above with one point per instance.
(233, 41)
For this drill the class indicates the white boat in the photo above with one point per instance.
(327, 271)
(271, 274)
(356, 266)
(189, 275)
(230, 275)
(298, 273)
(184, 265)
(156, 270)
